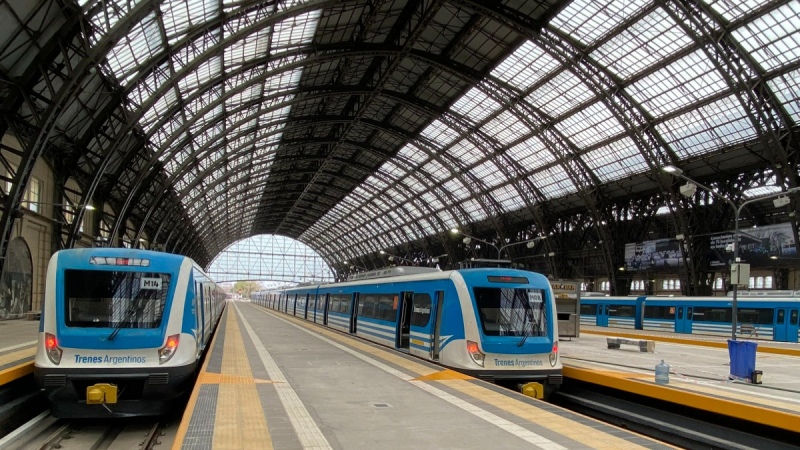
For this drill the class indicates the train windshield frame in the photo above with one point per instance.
(114, 299)
(507, 311)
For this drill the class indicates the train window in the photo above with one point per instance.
(781, 317)
(793, 317)
(622, 311)
(689, 313)
(760, 316)
(590, 310)
(511, 312)
(421, 310)
(105, 299)
(659, 312)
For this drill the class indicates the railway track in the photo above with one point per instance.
(48, 433)
(677, 425)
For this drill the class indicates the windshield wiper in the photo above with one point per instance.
(524, 330)
(122, 322)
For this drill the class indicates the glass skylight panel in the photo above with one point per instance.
(562, 93)
(773, 39)
(508, 197)
(413, 184)
(456, 189)
(531, 154)
(590, 20)
(506, 128)
(760, 191)
(475, 211)
(249, 47)
(211, 68)
(489, 174)
(465, 153)
(475, 105)
(734, 9)
(141, 44)
(526, 66)
(163, 134)
(294, 31)
(711, 127)
(553, 182)
(616, 160)
(684, 82)
(648, 41)
(787, 89)
(436, 171)
(413, 154)
(589, 126)
(180, 15)
(158, 110)
(432, 201)
(440, 133)
(391, 169)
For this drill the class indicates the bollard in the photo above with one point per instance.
(662, 373)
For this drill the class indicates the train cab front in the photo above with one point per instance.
(517, 336)
(107, 347)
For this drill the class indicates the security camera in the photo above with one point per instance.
(729, 248)
(688, 189)
(466, 240)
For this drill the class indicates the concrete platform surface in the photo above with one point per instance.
(17, 348)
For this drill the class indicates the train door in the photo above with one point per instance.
(780, 325)
(198, 310)
(354, 314)
(793, 327)
(437, 324)
(602, 315)
(327, 305)
(679, 319)
(404, 321)
(683, 319)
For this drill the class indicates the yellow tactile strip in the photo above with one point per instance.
(635, 383)
(586, 435)
(240, 420)
(591, 437)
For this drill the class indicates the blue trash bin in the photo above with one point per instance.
(743, 358)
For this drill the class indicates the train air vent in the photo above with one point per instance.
(158, 378)
(555, 379)
(55, 380)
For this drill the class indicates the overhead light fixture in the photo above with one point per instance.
(688, 189)
(551, 254)
(672, 169)
(454, 230)
(773, 257)
(781, 201)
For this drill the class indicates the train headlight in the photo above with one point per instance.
(554, 354)
(52, 349)
(475, 353)
(166, 352)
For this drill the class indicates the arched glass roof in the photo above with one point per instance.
(354, 126)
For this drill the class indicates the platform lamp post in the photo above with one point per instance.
(741, 271)
(467, 239)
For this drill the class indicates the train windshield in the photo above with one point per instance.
(511, 312)
(111, 299)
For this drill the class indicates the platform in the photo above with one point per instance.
(17, 348)
(699, 365)
(272, 381)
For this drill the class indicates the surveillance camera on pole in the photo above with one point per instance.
(688, 189)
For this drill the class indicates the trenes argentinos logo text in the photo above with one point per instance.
(108, 359)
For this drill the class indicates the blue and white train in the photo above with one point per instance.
(492, 323)
(766, 315)
(122, 331)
